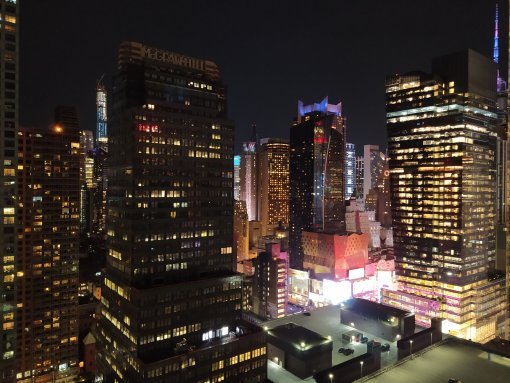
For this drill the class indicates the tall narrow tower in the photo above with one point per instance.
(9, 75)
(101, 118)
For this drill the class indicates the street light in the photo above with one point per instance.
(431, 339)
(361, 366)
(411, 342)
(331, 378)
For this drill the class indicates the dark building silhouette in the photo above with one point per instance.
(171, 304)
(317, 156)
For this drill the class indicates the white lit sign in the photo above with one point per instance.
(357, 273)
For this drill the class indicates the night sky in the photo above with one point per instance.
(270, 53)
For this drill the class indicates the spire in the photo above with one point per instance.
(254, 134)
(501, 84)
(496, 37)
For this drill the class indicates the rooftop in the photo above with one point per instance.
(453, 359)
(373, 309)
(296, 335)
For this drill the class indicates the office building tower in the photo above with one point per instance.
(241, 231)
(350, 170)
(360, 171)
(317, 180)
(269, 283)
(100, 155)
(383, 203)
(248, 178)
(101, 115)
(48, 246)
(171, 303)
(87, 182)
(273, 184)
(237, 179)
(442, 145)
(501, 156)
(374, 161)
(9, 75)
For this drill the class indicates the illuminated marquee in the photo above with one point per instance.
(174, 58)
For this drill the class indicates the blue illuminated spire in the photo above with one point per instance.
(501, 84)
(496, 38)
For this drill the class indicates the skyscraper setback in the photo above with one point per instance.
(317, 155)
(9, 117)
(171, 304)
(442, 145)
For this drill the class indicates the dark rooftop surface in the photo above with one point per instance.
(294, 334)
(453, 359)
(373, 309)
(498, 346)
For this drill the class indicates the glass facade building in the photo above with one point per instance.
(442, 158)
(9, 75)
(171, 303)
(317, 179)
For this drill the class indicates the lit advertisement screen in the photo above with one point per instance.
(357, 273)
(336, 292)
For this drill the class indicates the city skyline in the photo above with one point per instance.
(215, 173)
(252, 45)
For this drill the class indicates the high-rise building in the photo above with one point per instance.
(9, 75)
(350, 170)
(87, 181)
(102, 116)
(171, 303)
(360, 171)
(373, 164)
(237, 179)
(273, 184)
(317, 156)
(248, 178)
(48, 246)
(100, 155)
(241, 234)
(442, 146)
(269, 287)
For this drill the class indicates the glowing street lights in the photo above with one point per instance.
(361, 367)
(331, 378)
(411, 347)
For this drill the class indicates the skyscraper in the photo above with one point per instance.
(87, 181)
(171, 304)
(237, 179)
(248, 178)
(360, 170)
(100, 158)
(273, 184)
(374, 162)
(442, 146)
(350, 170)
(9, 75)
(48, 246)
(102, 117)
(317, 155)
